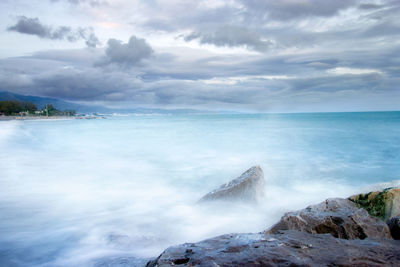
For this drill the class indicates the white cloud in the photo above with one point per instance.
(352, 71)
(239, 79)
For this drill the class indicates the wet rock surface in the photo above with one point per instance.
(339, 217)
(384, 204)
(336, 232)
(248, 187)
(286, 248)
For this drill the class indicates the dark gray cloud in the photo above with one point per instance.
(370, 6)
(126, 54)
(294, 9)
(232, 36)
(89, 36)
(260, 25)
(245, 13)
(316, 56)
(91, 85)
(264, 24)
(309, 81)
(33, 26)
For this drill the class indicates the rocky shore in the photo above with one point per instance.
(362, 230)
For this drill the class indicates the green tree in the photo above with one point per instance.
(51, 110)
(10, 107)
(29, 106)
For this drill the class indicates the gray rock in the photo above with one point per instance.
(287, 248)
(394, 226)
(339, 217)
(248, 187)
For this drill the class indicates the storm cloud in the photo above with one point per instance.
(294, 9)
(33, 26)
(278, 56)
(126, 54)
(232, 36)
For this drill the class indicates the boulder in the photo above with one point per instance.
(394, 226)
(339, 217)
(248, 187)
(286, 248)
(384, 204)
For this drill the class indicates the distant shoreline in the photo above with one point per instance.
(11, 118)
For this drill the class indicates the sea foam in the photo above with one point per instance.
(79, 192)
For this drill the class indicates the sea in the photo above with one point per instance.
(118, 191)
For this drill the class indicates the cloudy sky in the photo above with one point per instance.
(242, 55)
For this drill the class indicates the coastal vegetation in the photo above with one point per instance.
(21, 108)
(379, 203)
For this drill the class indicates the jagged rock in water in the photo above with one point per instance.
(394, 226)
(248, 187)
(287, 248)
(339, 217)
(384, 204)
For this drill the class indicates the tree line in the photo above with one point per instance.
(13, 107)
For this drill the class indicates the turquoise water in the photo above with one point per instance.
(76, 192)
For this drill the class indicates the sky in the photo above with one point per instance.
(221, 55)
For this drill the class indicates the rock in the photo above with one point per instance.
(287, 248)
(248, 187)
(339, 217)
(394, 226)
(384, 204)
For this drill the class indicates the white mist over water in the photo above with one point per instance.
(75, 192)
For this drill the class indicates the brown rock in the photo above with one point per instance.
(248, 187)
(287, 248)
(339, 217)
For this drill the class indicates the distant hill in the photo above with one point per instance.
(41, 102)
